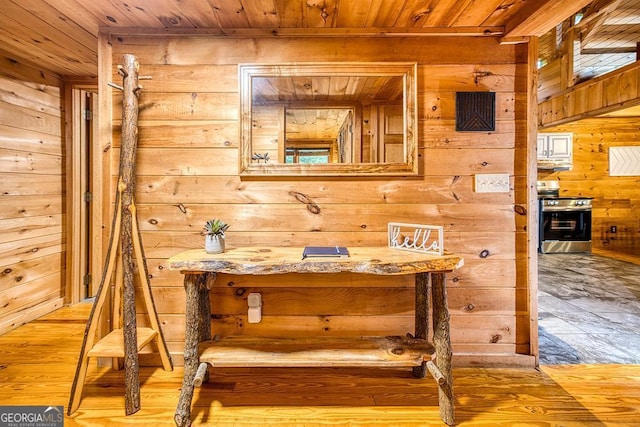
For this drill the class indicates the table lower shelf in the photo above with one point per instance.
(390, 351)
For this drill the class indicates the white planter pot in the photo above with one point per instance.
(214, 244)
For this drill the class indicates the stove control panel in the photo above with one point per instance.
(566, 204)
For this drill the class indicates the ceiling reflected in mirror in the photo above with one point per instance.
(333, 89)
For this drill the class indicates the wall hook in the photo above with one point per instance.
(477, 75)
(122, 72)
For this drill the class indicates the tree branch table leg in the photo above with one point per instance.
(197, 329)
(442, 344)
(421, 316)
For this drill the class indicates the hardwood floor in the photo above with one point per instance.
(37, 363)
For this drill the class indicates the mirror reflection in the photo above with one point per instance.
(331, 118)
(318, 135)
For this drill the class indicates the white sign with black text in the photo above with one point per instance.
(416, 237)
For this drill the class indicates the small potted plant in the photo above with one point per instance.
(214, 235)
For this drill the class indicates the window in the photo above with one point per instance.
(308, 155)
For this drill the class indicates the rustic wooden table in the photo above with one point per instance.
(200, 269)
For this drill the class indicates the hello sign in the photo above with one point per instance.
(416, 237)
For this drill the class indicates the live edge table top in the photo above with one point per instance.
(280, 260)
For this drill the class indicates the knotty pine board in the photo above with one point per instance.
(487, 330)
(228, 50)
(31, 183)
(187, 123)
(24, 272)
(172, 189)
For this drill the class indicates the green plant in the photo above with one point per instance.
(215, 227)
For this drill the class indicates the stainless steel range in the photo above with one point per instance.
(565, 222)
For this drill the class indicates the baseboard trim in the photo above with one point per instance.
(493, 360)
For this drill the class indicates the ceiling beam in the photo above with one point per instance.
(538, 17)
(488, 31)
(594, 18)
(597, 10)
(609, 50)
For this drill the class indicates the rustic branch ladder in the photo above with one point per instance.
(125, 246)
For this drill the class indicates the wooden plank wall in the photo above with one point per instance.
(616, 198)
(31, 193)
(187, 172)
(550, 80)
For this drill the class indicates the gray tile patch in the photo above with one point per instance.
(554, 324)
(555, 305)
(554, 351)
(599, 304)
(593, 349)
(629, 343)
(595, 323)
(626, 321)
(589, 309)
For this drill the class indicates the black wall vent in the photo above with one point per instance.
(475, 111)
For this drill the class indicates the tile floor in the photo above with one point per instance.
(589, 310)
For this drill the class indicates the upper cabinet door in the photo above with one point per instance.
(543, 147)
(560, 146)
(555, 146)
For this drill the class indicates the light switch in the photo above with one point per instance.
(492, 183)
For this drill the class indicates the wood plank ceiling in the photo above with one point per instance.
(61, 35)
(608, 37)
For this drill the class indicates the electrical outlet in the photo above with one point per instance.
(492, 183)
(254, 301)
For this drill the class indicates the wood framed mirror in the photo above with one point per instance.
(315, 119)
